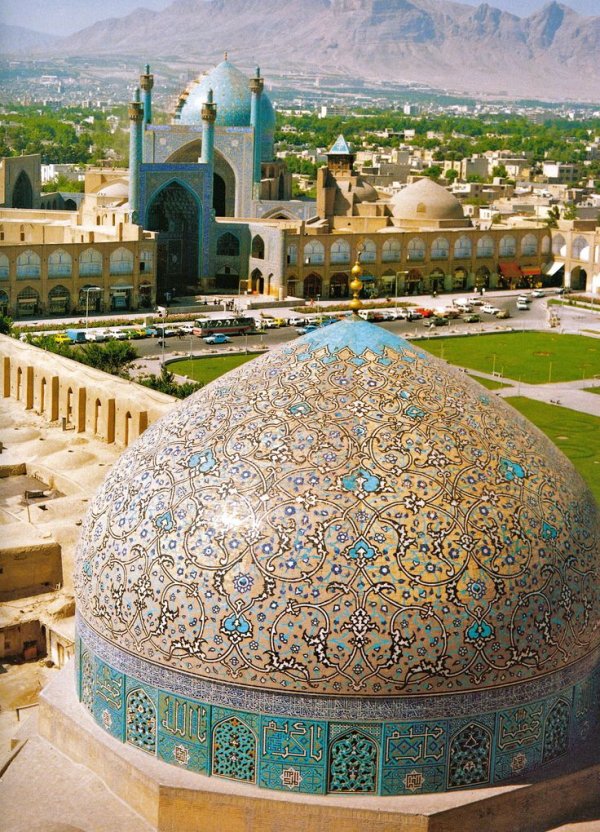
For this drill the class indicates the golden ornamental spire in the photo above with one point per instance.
(356, 286)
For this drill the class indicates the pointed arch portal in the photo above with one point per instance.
(175, 214)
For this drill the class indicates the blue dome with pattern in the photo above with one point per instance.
(231, 94)
(347, 531)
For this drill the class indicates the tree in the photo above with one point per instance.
(5, 325)
(570, 212)
(500, 171)
(166, 383)
(110, 358)
(451, 175)
(552, 217)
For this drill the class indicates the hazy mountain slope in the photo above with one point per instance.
(451, 45)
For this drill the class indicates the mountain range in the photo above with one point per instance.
(550, 54)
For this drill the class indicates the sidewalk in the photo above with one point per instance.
(567, 394)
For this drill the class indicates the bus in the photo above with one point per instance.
(226, 326)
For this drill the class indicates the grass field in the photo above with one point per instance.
(576, 434)
(207, 369)
(532, 357)
(488, 382)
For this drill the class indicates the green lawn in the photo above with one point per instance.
(593, 389)
(576, 434)
(533, 357)
(488, 382)
(207, 369)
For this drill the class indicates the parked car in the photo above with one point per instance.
(303, 330)
(414, 315)
(437, 320)
(136, 332)
(96, 335)
(489, 309)
(297, 321)
(219, 338)
(116, 334)
(165, 332)
(472, 318)
(425, 313)
(477, 301)
(62, 338)
(185, 329)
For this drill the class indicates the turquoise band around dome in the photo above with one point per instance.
(337, 756)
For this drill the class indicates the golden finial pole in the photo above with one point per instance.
(356, 284)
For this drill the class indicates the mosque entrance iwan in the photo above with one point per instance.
(174, 213)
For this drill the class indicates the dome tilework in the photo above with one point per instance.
(345, 516)
(426, 200)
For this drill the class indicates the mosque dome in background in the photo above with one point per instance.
(231, 94)
(349, 529)
(426, 200)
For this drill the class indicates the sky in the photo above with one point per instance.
(65, 16)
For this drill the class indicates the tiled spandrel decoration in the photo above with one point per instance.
(183, 732)
(293, 755)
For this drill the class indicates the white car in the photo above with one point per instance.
(538, 293)
(96, 335)
(185, 329)
(522, 306)
(116, 334)
(489, 309)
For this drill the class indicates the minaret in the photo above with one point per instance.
(209, 114)
(256, 88)
(146, 83)
(136, 117)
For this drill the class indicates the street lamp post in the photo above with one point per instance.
(87, 291)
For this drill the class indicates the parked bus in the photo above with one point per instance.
(225, 326)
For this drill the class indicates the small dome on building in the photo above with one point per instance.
(231, 94)
(426, 200)
(114, 190)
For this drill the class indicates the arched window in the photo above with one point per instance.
(390, 251)
(559, 245)
(3, 302)
(545, 245)
(340, 252)
(1, 232)
(146, 261)
(28, 301)
(28, 265)
(60, 264)
(314, 253)
(353, 763)
(338, 285)
(4, 267)
(369, 252)
(228, 734)
(440, 248)
(462, 248)
(416, 249)
(485, 247)
(228, 245)
(580, 249)
(258, 247)
(22, 192)
(508, 246)
(90, 263)
(22, 233)
(292, 254)
(529, 245)
(121, 261)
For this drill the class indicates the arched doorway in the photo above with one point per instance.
(436, 281)
(3, 303)
(338, 285)
(219, 196)
(313, 286)
(22, 192)
(414, 282)
(578, 279)
(227, 279)
(175, 214)
(482, 278)
(258, 281)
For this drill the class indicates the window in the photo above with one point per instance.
(559, 245)
(485, 247)
(340, 252)
(416, 249)
(121, 261)
(462, 248)
(228, 245)
(390, 252)
(440, 248)
(28, 265)
(508, 247)
(258, 247)
(529, 245)
(580, 249)
(146, 260)
(369, 252)
(314, 253)
(4, 267)
(90, 263)
(60, 264)
(292, 254)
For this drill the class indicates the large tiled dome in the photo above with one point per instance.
(231, 93)
(344, 528)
